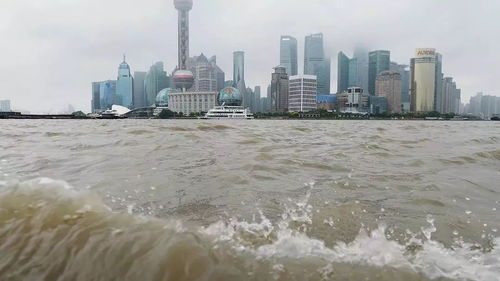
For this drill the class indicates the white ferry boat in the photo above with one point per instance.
(228, 112)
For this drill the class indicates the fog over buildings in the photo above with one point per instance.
(52, 49)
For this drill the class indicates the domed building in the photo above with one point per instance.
(162, 97)
(230, 96)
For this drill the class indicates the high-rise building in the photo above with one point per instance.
(257, 104)
(388, 85)
(378, 61)
(108, 94)
(221, 76)
(315, 62)
(250, 96)
(423, 84)
(404, 71)
(206, 74)
(125, 85)
(348, 73)
(361, 56)
(279, 90)
(343, 73)
(238, 67)
(264, 102)
(450, 96)
(288, 54)
(353, 73)
(484, 106)
(438, 80)
(155, 81)
(96, 97)
(183, 78)
(139, 93)
(303, 93)
(5, 106)
(239, 76)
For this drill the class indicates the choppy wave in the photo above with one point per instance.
(49, 231)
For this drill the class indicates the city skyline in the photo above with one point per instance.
(95, 48)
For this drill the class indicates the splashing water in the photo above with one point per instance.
(64, 221)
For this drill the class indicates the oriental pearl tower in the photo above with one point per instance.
(183, 78)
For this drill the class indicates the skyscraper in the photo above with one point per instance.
(279, 90)
(378, 61)
(139, 94)
(108, 94)
(405, 80)
(423, 84)
(438, 97)
(205, 74)
(257, 104)
(348, 73)
(125, 85)
(155, 81)
(239, 76)
(484, 106)
(354, 73)
(238, 67)
(303, 93)
(288, 54)
(315, 62)
(342, 73)
(388, 85)
(451, 96)
(221, 76)
(183, 78)
(361, 56)
(96, 97)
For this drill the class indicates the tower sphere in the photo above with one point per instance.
(185, 5)
(183, 79)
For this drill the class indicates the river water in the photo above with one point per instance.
(249, 200)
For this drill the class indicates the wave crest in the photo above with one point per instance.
(49, 231)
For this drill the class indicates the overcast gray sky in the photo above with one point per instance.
(51, 50)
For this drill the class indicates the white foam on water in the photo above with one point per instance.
(287, 239)
(462, 262)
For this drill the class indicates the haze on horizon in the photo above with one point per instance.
(53, 49)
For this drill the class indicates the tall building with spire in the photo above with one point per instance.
(125, 85)
(183, 78)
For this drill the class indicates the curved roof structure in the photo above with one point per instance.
(230, 96)
(162, 97)
(120, 110)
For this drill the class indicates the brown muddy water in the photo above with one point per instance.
(249, 200)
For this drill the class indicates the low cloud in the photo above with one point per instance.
(53, 49)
